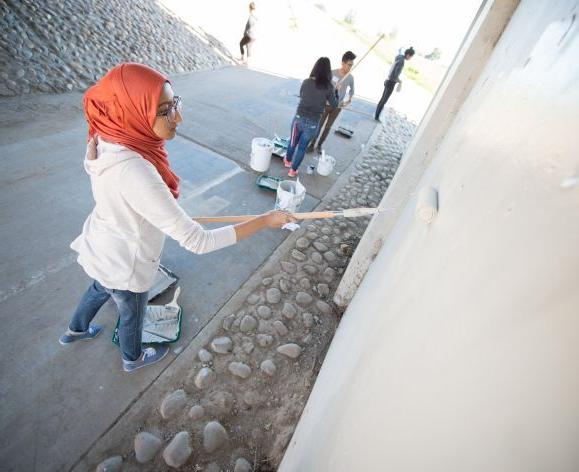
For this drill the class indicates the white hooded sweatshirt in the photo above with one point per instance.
(122, 239)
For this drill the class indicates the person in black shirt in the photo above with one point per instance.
(314, 93)
(393, 78)
(248, 34)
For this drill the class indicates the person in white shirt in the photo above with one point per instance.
(131, 111)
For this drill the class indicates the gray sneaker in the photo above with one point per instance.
(149, 356)
(72, 336)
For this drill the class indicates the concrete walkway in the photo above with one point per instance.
(57, 401)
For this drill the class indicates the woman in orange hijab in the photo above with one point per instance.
(130, 112)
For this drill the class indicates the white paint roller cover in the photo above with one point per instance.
(427, 204)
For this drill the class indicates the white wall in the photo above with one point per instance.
(460, 350)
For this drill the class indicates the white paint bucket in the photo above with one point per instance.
(261, 149)
(325, 164)
(290, 196)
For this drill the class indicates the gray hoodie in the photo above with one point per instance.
(396, 69)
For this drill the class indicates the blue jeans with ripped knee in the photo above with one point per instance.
(131, 307)
(302, 132)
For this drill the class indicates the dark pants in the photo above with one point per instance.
(331, 114)
(246, 42)
(131, 307)
(388, 89)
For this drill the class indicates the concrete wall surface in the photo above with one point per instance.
(460, 349)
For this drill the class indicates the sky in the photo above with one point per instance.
(424, 24)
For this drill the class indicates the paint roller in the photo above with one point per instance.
(312, 215)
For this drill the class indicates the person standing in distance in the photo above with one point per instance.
(393, 79)
(249, 34)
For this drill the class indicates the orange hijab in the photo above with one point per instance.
(121, 108)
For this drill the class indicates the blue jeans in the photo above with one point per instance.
(302, 131)
(131, 307)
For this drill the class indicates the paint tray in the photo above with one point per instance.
(164, 279)
(280, 146)
(268, 182)
(162, 323)
(347, 132)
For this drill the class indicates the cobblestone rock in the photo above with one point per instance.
(251, 398)
(267, 281)
(178, 450)
(323, 307)
(289, 311)
(320, 246)
(205, 378)
(173, 404)
(308, 319)
(248, 324)
(146, 446)
(316, 257)
(253, 299)
(323, 289)
(268, 367)
(112, 464)
(303, 298)
(228, 322)
(264, 340)
(310, 269)
(280, 328)
(298, 255)
(242, 465)
(222, 345)
(239, 369)
(204, 356)
(273, 295)
(288, 267)
(330, 256)
(214, 436)
(196, 412)
(290, 350)
(247, 346)
(285, 285)
(302, 243)
(264, 312)
(305, 283)
(329, 274)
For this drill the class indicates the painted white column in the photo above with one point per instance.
(465, 70)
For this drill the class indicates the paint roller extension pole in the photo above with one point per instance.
(312, 215)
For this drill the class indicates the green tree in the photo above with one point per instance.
(434, 55)
(350, 18)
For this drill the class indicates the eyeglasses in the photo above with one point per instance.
(171, 112)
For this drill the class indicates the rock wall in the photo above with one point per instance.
(64, 45)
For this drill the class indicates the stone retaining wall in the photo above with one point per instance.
(64, 45)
